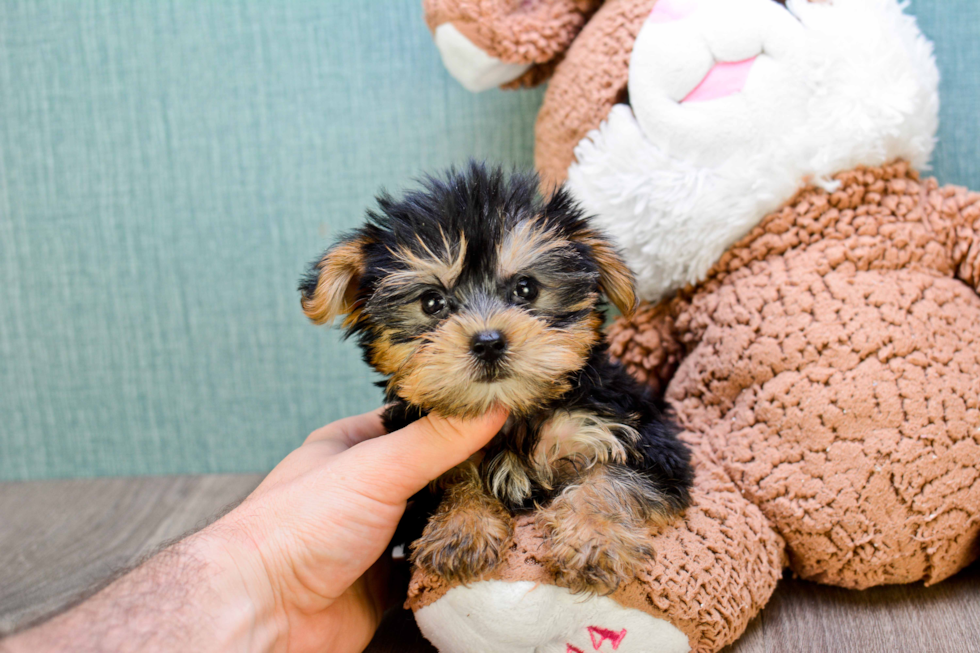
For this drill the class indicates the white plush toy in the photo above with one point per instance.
(811, 311)
(737, 104)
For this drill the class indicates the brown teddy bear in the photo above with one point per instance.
(811, 304)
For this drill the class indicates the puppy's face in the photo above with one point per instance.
(472, 293)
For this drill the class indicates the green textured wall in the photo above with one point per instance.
(168, 167)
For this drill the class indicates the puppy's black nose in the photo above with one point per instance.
(488, 346)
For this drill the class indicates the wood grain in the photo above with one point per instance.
(59, 538)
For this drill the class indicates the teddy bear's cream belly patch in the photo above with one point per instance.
(847, 407)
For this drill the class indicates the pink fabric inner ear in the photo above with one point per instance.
(725, 78)
(666, 11)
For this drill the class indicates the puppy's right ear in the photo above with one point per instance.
(329, 289)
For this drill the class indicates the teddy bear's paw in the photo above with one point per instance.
(472, 67)
(462, 544)
(525, 616)
(593, 554)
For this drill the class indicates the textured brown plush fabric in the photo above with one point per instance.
(587, 54)
(516, 31)
(826, 374)
(827, 377)
(712, 572)
(831, 363)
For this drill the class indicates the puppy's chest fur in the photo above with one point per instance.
(534, 457)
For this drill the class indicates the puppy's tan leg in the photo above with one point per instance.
(468, 534)
(599, 528)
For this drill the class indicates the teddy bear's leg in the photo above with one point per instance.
(599, 528)
(468, 533)
(530, 617)
(515, 42)
(711, 571)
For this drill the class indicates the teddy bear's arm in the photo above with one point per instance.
(511, 42)
(647, 344)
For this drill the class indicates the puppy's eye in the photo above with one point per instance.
(526, 290)
(433, 302)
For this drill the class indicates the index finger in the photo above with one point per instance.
(350, 430)
(393, 468)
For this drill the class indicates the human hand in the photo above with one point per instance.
(307, 539)
(290, 569)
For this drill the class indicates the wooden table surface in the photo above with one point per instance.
(58, 538)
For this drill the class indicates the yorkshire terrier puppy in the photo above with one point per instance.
(474, 292)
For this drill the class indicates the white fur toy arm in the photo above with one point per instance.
(737, 104)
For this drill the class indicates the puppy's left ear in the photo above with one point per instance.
(329, 289)
(616, 280)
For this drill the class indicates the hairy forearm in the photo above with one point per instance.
(293, 568)
(189, 597)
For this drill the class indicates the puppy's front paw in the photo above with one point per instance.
(462, 544)
(592, 554)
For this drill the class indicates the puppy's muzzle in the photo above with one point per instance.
(488, 346)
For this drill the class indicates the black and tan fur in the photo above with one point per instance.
(474, 292)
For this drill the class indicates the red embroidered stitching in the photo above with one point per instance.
(600, 635)
(573, 649)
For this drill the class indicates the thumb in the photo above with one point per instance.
(393, 467)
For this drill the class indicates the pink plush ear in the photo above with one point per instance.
(532, 33)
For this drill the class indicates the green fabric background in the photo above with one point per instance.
(167, 167)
